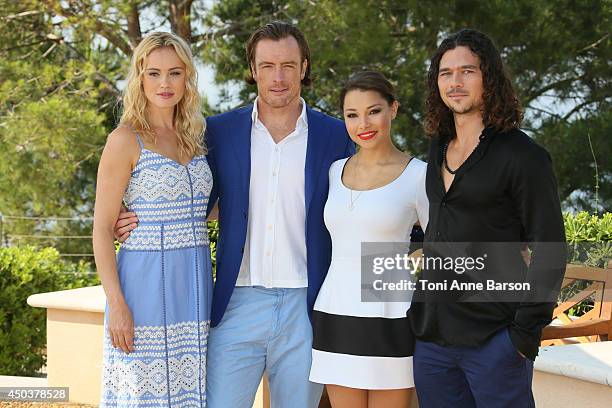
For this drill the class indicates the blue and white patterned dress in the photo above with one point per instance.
(165, 273)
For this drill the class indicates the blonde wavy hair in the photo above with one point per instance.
(189, 122)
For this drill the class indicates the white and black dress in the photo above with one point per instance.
(357, 344)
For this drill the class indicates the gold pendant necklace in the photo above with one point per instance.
(351, 205)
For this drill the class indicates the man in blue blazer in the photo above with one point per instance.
(270, 163)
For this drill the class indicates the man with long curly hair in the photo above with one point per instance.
(487, 182)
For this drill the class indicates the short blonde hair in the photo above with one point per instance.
(188, 119)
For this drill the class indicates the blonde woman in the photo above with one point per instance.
(159, 286)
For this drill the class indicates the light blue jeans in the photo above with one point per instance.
(262, 329)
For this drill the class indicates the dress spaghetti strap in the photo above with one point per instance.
(138, 138)
(140, 143)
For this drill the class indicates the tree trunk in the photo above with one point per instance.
(180, 18)
(133, 20)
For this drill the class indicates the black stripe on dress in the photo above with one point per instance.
(362, 336)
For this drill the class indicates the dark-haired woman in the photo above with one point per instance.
(362, 350)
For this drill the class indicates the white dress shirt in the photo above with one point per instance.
(275, 248)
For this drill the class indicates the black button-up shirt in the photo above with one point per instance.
(504, 192)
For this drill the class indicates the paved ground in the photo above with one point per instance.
(43, 405)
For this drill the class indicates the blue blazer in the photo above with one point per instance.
(228, 139)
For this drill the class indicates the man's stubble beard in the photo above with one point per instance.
(280, 102)
(472, 108)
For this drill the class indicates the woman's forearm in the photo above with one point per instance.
(104, 253)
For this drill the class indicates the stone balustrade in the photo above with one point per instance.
(565, 376)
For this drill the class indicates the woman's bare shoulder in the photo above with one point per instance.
(122, 144)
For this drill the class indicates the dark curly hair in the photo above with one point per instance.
(502, 109)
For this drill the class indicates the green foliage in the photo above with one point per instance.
(46, 146)
(55, 110)
(589, 238)
(589, 243)
(582, 153)
(585, 227)
(25, 271)
(213, 236)
(49, 152)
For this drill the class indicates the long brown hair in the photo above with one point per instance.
(502, 109)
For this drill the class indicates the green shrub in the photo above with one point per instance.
(588, 237)
(213, 236)
(25, 271)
